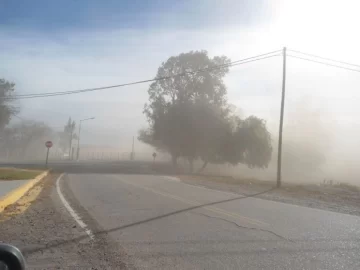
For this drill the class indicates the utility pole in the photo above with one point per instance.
(278, 180)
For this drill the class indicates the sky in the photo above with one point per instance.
(49, 46)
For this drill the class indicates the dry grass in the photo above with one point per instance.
(8, 174)
(254, 183)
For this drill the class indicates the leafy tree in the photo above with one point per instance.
(26, 140)
(250, 143)
(170, 101)
(189, 116)
(192, 85)
(6, 109)
(233, 140)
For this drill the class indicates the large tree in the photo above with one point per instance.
(249, 143)
(169, 111)
(6, 108)
(191, 85)
(189, 116)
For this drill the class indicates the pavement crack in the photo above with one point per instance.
(246, 227)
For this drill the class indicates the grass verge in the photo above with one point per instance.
(8, 174)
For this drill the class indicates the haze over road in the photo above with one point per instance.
(163, 223)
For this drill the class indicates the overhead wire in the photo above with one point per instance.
(143, 81)
(134, 83)
(234, 63)
(324, 63)
(324, 58)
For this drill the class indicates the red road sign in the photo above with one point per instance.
(49, 144)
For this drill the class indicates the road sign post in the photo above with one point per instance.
(48, 145)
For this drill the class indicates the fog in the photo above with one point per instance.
(321, 123)
(321, 128)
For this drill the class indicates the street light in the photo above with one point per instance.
(78, 150)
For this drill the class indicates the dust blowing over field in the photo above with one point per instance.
(319, 143)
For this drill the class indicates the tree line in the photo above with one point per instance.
(189, 116)
(25, 139)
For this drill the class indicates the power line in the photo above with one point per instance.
(319, 62)
(140, 82)
(133, 83)
(256, 56)
(234, 63)
(324, 58)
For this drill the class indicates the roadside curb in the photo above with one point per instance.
(14, 195)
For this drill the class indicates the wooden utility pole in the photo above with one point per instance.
(278, 180)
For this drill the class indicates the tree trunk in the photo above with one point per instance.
(203, 166)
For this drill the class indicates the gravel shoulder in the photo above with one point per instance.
(337, 198)
(50, 239)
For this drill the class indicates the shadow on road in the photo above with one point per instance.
(98, 233)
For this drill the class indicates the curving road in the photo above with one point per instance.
(162, 223)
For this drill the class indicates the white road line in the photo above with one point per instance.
(71, 211)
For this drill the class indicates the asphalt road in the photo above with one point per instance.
(162, 223)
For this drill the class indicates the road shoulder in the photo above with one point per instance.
(18, 192)
(325, 198)
(52, 239)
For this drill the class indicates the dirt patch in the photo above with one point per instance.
(341, 198)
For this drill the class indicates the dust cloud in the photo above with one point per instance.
(317, 147)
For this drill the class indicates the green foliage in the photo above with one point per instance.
(190, 87)
(252, 143)
(17, 174)
(189, 116)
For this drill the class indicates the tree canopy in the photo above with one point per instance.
(25, 140)
(189, 116)
(6, 109)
